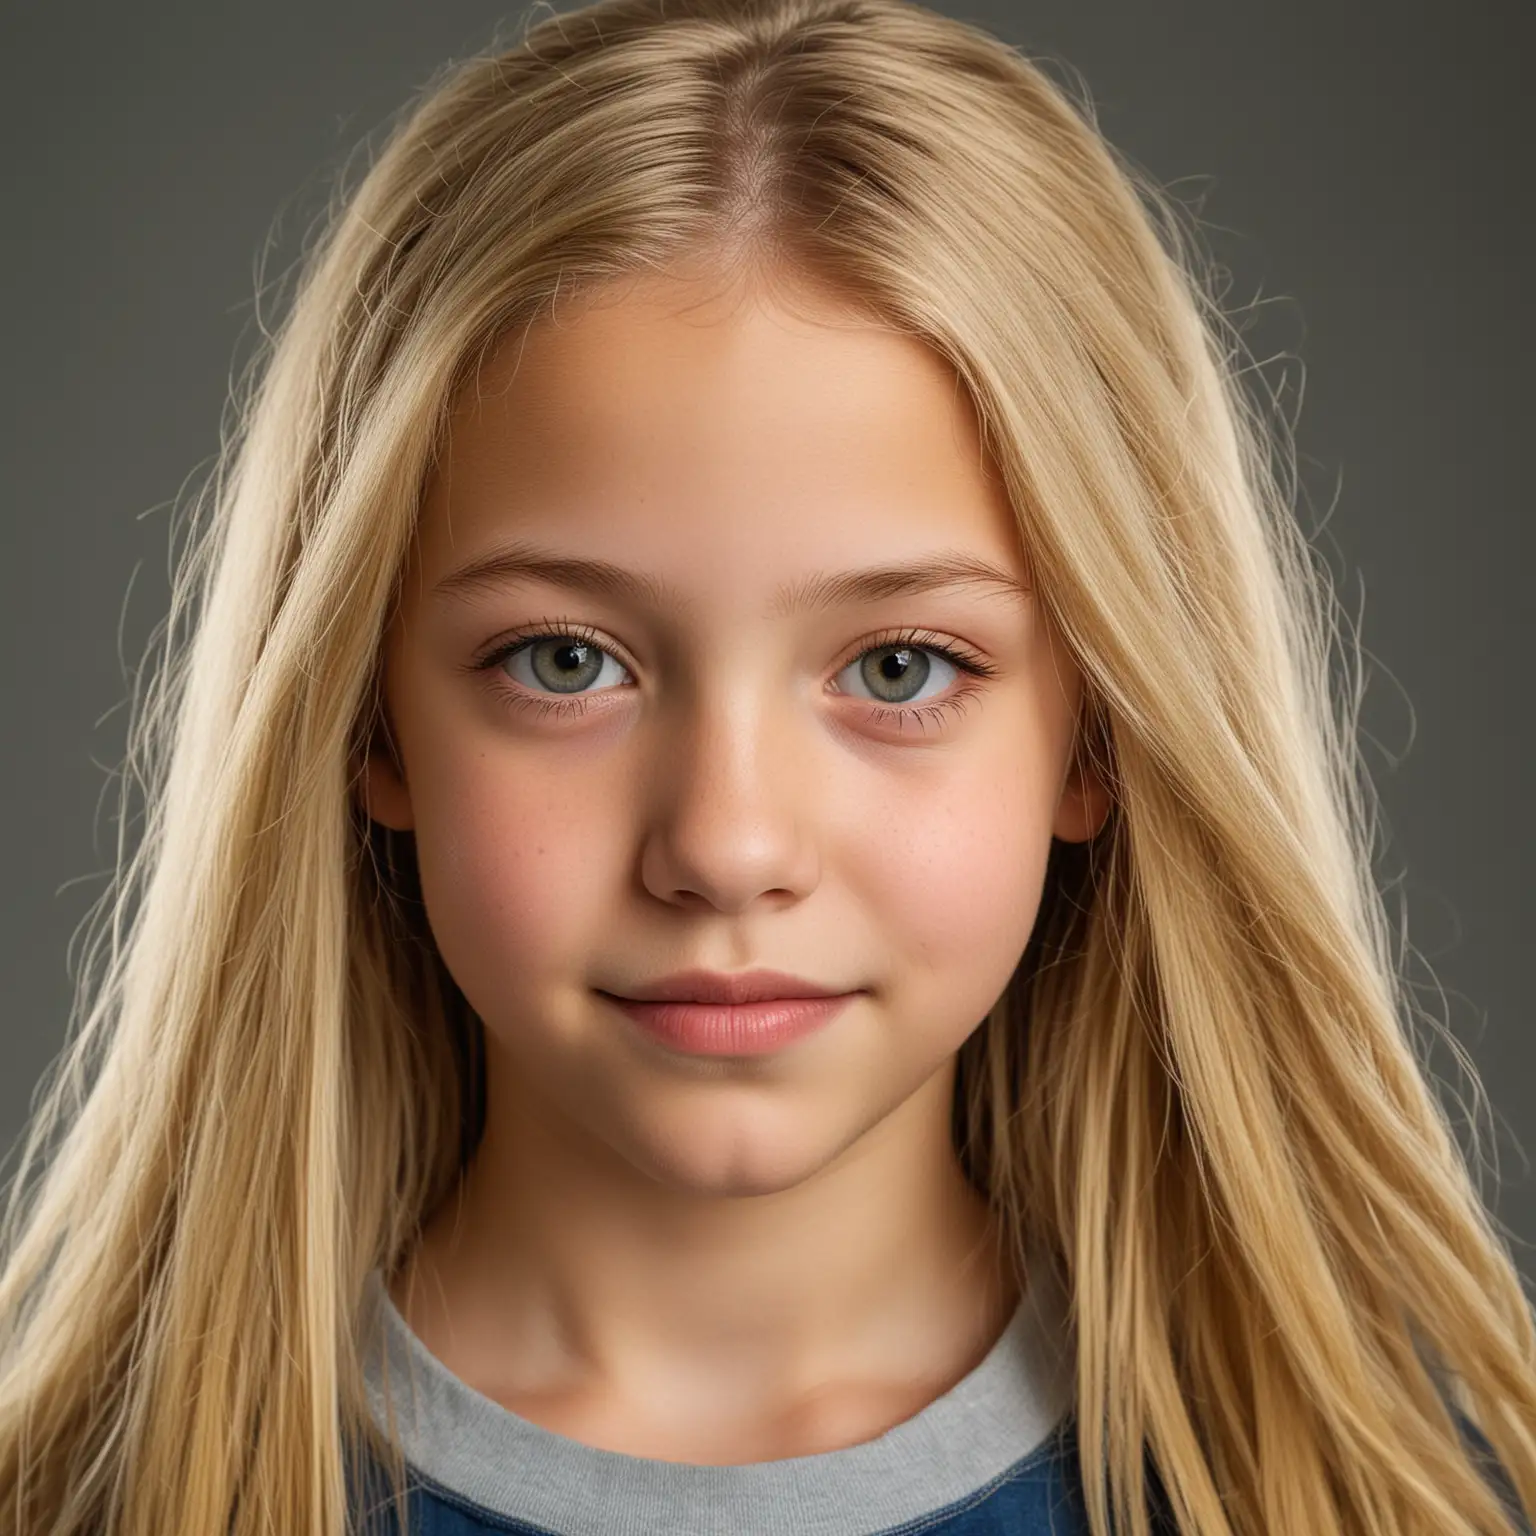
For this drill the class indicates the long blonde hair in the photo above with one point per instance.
(1200, 1090)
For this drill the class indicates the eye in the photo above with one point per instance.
(550, 668)
(559, 664)
(897, 667)
(560, 667)
(898, 674)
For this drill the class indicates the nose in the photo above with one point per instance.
(731, 811)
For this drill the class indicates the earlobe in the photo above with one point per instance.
(385, 795)
(1084, 804)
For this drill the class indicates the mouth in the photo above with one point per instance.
(728, 988)
(731, 1029)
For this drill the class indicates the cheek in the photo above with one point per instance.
(955, 868)
(515, 874)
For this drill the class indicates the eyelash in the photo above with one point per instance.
(965, 661)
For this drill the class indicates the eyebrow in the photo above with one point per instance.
(942, 570)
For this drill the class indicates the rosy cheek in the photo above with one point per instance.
(511, 870)
(956, 876)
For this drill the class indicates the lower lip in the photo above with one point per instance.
(734, 1029)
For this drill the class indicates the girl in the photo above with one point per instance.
(747, 558)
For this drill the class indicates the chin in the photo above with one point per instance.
(734, 1160)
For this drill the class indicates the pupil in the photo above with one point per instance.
(569, 657)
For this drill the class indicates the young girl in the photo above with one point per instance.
(756, 914)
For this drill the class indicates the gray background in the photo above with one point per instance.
(1363, 170)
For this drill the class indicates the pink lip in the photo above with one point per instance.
(727, 987)
(732, 1029)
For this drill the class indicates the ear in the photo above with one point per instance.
(386, 796)
(1084, 803)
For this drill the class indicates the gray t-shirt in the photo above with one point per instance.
(481, 1467)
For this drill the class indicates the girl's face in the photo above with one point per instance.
(734, 747)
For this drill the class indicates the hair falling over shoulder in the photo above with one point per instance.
(1200, 1089)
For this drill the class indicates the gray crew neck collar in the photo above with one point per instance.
(472, 1446)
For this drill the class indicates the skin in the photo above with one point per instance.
(721, 1260)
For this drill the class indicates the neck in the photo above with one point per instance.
(561, 1268)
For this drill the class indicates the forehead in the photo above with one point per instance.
(729, 438)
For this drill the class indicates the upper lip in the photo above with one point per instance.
(727, 987)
